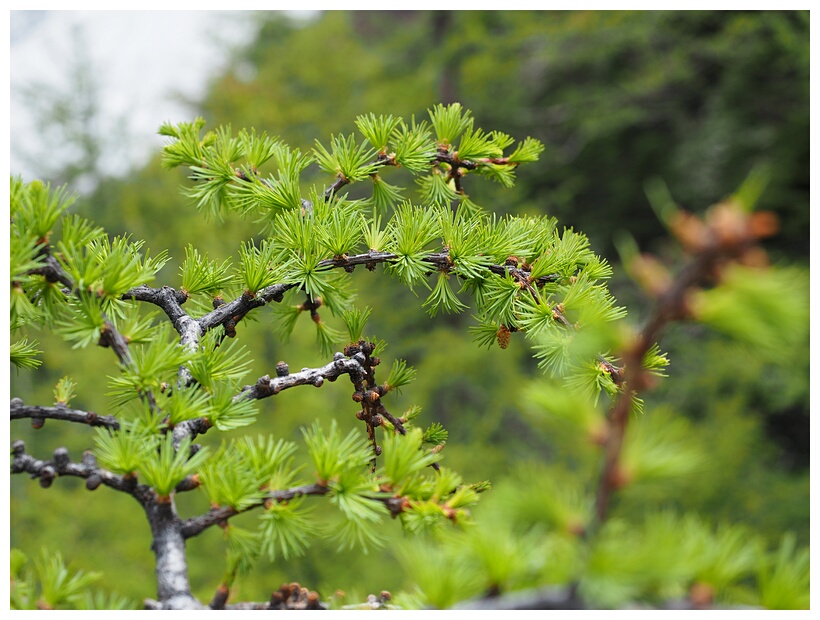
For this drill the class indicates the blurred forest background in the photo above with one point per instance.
(630, 105)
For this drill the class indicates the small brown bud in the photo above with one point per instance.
(763, 224)
(576, 528)
(621, 477)
(728, 222)
(754, 257)
(702, 595)
(282, 369)
(502, 336)
(690, 231)
(38, 423)
(357, 397)
(377, 450)
(360, 415)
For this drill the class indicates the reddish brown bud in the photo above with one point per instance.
(702, 595)
(576, 528)
(621, 477)
(690, 231)
(754, 257)
(763, 224)
(502, 336)
(729, 223)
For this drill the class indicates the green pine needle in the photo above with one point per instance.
(24, 354)
(64, 391)
(355, 320)
(165, 468)
(400, 375)
(377, 130)
(199, 275)
(443, 298)
(449, 122)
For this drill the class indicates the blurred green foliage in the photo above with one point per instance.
(696, 99)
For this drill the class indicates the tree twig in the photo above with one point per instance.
(20, 411)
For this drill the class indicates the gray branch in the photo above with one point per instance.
(20, 411)
(267, 386)
(61, 465)
(196, 525)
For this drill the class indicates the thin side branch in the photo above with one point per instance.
(267, 386)
(61, 465)
(20, 411)
(196, 525)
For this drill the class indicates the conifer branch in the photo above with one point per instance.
(557, 598)
(38, 414)
(61, 465)
(727, 234)
(165, 297)
(235, 310)
(551, 597)
(52, 271)
(196, 525)
(288, 596)
(267, 386)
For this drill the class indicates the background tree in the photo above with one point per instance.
(724, 402)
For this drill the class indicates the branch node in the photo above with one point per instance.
(47, 476)
(61, 459)
(18, 448)
(93, 482)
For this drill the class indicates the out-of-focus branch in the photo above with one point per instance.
(727, 234)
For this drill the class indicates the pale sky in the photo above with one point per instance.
(141, 60)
